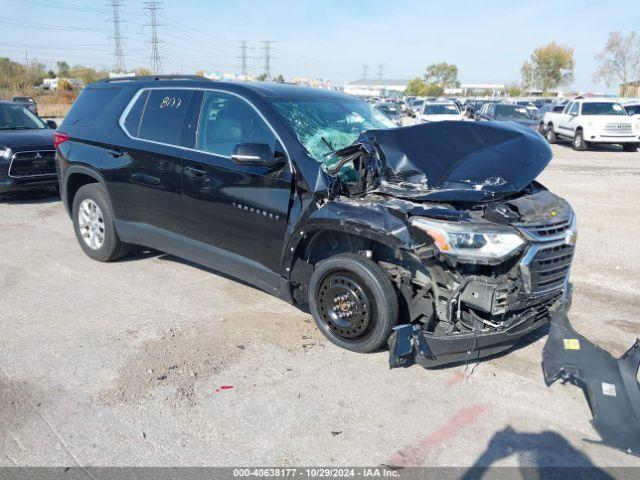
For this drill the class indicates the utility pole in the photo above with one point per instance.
(267, 58)
(153, 9)
(26, 62)
(380, 71)
(243, 56)
(118, 56)
(365, 69)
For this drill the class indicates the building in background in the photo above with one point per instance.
(630, 89)
(54, 83)
(475, 89)
(311, 82)
(376, 87)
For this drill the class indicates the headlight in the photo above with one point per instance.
(474, 244)
(4, 152)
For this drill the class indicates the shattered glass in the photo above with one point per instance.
(323, 127)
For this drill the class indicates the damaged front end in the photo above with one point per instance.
(489, 250)
(610, 384)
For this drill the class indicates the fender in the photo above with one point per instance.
(371, 221)
(85, 170)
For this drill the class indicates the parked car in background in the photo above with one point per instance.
(547, 107)
(391, 109)
(28, 102)
(282, 187)
(529, 105)
(415, 106)
(592, 120)
(27, 153)
(507, 112)
(439, 111)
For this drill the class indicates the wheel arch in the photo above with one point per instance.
(76, 176)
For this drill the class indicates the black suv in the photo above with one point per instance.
(315, 197)
(27, 153)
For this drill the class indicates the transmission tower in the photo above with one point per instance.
(267, 57)
(243, 57)
(365, 69)
(153, 9)
(380, 71)
(118, 56)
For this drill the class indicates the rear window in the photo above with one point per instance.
(164, 115)
(89, 106)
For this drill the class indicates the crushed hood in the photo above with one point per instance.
(465, 161)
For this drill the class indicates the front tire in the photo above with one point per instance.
(353, 302)
(578, 143)
(630, 147)
(552, 138)
(93, 224)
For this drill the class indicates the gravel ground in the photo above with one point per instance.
(154, 361)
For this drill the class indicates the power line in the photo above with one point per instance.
(118, 55)
(267, 57)
(153, 9)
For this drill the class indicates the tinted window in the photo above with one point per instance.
(558, 108)
(164, 116)
(17, 117)
(633, 109)
(226, 121)
(91, 103)
(603, 108)
(132, 122)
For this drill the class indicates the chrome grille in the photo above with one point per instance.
(33, 164)
(621, 128)
(547, 230)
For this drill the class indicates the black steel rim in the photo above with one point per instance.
(345, 305)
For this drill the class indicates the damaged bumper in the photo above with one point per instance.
(410, 344)
(610, 384)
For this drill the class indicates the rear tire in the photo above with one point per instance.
(630, 147)
(578, 143)
(552, 138)
(353, 302)
(93, 224)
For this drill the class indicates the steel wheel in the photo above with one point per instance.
(345, 305)
(91, 224)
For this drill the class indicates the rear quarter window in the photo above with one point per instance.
(164, 116)
(90, 106)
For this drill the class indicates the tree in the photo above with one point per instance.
(619, 60)
(443, 74)
(279, 79)
(145, 72)
(86, 74)
(63, 69)
(514, 90)
(416, 88)
(262, 77)
(433, 90)
(549, 67)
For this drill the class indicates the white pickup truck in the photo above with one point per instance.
(592, 120)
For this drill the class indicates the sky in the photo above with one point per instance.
(331, 39)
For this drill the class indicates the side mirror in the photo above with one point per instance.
(256, 154)
(51, 124)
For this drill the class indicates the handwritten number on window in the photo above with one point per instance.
(171, 102)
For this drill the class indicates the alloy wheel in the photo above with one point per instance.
(91, 224)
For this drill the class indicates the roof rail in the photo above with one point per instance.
(155, 78)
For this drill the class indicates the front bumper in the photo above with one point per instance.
(409, 344)
(609, 384)
(8, 185)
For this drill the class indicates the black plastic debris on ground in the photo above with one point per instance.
(610, 384)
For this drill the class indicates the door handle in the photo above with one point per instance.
(145, 179)
(115, 153)
(195, 172)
